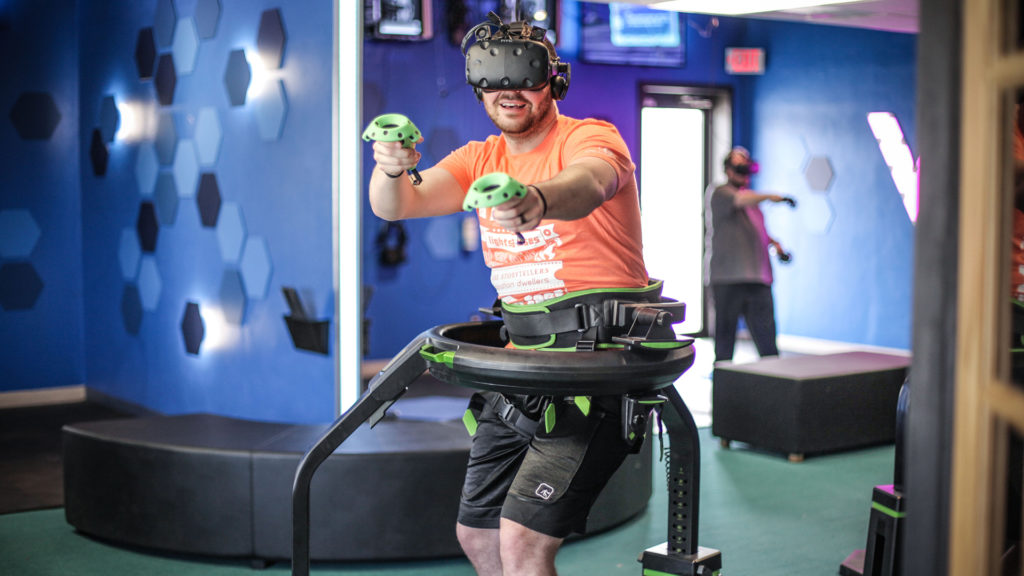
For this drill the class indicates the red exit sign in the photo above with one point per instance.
(744, 60)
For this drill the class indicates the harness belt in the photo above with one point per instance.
(503, 408)
(588, 319)
(584, 321)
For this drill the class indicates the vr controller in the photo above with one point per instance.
(492, 189)
(513, 56)
(395, 128)
(782, 255)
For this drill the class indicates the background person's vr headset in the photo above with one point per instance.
(514, 56)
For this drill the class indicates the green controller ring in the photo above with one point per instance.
(492, 189)
(394, 128)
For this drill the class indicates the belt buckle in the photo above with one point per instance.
(506, 409)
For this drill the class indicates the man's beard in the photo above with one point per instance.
(525, 126)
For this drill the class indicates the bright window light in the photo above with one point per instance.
(897, 156)
(672, 205)
(735, 7)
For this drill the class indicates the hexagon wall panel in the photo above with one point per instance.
(207, 16)
(232, 297)
(270, 39)
(20, 286)
(208, 136)
(186, 169)
(166, 199)
(147, 227)
(208, 199)
(192, 328)
(110, 118)
(230, 232)
(256, 268)
(150, 285)
(19, 233)
(166, 138)
(131, 309)
(163, 26)
(99, 155)
(166, 80)
(145, 54)
(237, 76)
(186, 46)
(819, 173)
(129, 254)
(146, 167)
(35, 115)
(270, 109)
(816, 213)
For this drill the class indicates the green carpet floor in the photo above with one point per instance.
(769, 517)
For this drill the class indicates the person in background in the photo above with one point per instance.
(739, 269)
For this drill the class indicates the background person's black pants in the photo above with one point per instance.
(754, 302)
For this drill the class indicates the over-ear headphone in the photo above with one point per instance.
(514, 56)
(391, 244)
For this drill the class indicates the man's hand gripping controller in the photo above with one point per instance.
(492, 189)
(395, 128)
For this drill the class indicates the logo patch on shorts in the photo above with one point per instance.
(544, 491)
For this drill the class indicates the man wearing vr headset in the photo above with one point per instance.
(740, 271)
(527, 487)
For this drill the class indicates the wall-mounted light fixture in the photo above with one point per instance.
(897, 155)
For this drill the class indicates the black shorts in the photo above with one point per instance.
(546, 482)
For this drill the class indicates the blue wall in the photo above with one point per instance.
(281, 187)
(850, 282)
(41, 345)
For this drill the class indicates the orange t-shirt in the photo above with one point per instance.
(602, 250)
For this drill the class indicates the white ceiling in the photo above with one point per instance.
(888, 15)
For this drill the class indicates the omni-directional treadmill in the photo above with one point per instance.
(474, 355)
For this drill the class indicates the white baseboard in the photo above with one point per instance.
(43, 396)
(805, 345)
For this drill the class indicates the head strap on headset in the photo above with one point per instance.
(512, 56)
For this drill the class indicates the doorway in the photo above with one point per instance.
(684, 131)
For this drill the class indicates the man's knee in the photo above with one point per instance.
(526, 551)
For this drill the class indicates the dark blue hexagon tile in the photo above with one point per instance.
(20, 286)
(192, 328)
(237, 76)
(270, 40)
(147, 227)
(35, 115)
(131, 308)
(145, 54)
(208, 199)
(166, 79)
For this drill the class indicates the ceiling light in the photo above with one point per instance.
(736, 7)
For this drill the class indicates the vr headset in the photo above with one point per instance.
(742, 168)
(514, 56)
